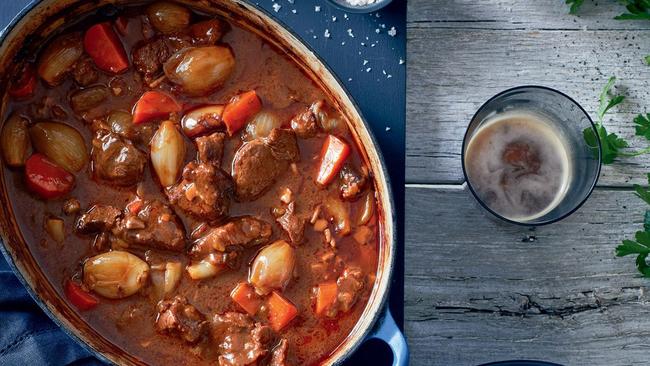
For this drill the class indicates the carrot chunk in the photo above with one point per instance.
(333, 155)
(104, 47)
(281, 311)
(47, 179)
(326, 294)
(78, 297)
(154, 105)
(244, 295)
(240, 108)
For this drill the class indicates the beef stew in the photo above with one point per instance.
(201, 200)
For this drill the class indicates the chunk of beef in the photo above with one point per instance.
(292, 223)
(210, 148)
(153, 225)
(258, 163)
(179, 318)
(350, 284)
(149, 56)
(115, 159)
(204, 192)
(241, 341)
(279, 354)
(98, 218)
(352, 182)
(239, 232)
(84, 72)
(306, 124)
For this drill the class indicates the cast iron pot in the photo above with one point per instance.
(40, 18)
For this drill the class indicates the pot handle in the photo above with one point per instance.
(388, 331)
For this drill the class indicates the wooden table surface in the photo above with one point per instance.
(480, 291)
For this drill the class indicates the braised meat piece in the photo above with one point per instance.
(204, 192)
(292, 223)
(258, 163)
(149, 57)
(210, 148)
(153, 225)
(279, 354)
(240, 232)
(98, 218)
(116, 159)
(241, 341)
(84, 72)
(350, 284)
(306, 124)
(352, 182)
(179, 318)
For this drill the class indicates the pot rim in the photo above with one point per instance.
(379, 295)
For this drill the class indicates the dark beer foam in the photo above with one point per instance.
(518, 165)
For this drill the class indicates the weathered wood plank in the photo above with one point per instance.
(517, 14)
(451, 72)
(479, 290)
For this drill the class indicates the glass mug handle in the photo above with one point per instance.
(388, 331)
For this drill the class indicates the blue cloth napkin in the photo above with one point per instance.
(27, 335)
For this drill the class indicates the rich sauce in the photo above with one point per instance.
(129, 322)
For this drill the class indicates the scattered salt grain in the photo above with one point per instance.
(383, 72)
(315, 36)
(363, 44)
(294, 11)
(327, 33)
(401, 61)
(276, 7)
(377, 30)
(343, 43)
(369, 69)
(333, 18)
(387, 128)
(349, 79)
(345, 15)
(373, 45)
(350, 33)
(389, 76)
(365, 62)
(316, 8)
(392, 32)
(382, 25)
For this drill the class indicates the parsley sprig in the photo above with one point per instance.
(636, 9)
(640, 246)
(611, 144)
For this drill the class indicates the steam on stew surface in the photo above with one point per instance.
(189, 191)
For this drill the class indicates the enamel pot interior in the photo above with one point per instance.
(47, 16)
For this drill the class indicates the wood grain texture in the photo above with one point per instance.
(460, 53)
(480, 291)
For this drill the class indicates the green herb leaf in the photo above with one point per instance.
(574, 5)
(643, 125)
(641, 247)
(637, 10)
(646, 220)
(647, 60)
(606, 103)
(643, 192)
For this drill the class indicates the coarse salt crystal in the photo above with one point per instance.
(383, 72)
(387, 128)
(363, 44)
(333, 19)
(345, 16)
(392, 32)
(294, 11)
(365, 62)
(401, 61)
(377, 30)
(317, 8)
(369, 69)
(350, 33)
(349, 79)
(343, 43)
(327, 33)
(276, 7)
(389, 76)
